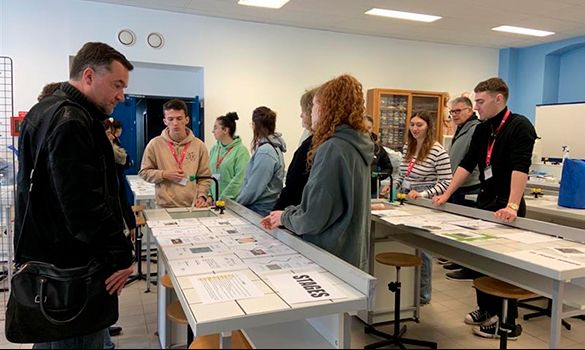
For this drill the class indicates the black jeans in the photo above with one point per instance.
(490, 303)
(493, 305)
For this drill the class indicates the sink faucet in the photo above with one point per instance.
(204, 177)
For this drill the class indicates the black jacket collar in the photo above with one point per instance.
(74, 94)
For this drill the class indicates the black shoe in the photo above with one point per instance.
(479, 317)
(490, 330)
(452, 266)
(114, 330)
(462, 275)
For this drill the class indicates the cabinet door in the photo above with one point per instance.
(432, 105)
(393, 116)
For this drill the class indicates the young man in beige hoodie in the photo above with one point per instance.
(175, 159)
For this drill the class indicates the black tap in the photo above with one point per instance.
(204, 177)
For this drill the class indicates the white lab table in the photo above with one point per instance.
(563, 281)
(268, 320)
(546, 208)
(143, 191)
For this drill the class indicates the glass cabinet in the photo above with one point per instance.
(392, 109)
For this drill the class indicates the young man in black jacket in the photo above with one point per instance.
(72, 214)
(501, 147)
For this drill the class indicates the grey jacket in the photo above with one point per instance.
(264, 174)
(334, 213)
(460, 146)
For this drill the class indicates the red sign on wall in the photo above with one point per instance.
(16, 123)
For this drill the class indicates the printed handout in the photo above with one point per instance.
(260, 250)
(295, 262)
(197, 266)
(221, 287)
(195, 250)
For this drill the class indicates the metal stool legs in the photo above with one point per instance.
(396, 338)
(540, 311)
(138, 256)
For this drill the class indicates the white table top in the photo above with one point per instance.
(505, 242)
(141, 189)
(271, 307)
(549, 203)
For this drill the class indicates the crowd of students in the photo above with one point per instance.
(325, 199)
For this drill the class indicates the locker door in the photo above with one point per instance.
(125, 112)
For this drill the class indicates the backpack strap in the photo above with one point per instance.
(47, 125)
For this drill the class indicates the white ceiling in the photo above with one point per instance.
(464, 22)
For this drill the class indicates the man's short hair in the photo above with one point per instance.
(96, 55)
(462, 99)
(496, 85)
(177, 105)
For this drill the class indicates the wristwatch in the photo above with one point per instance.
(513, 206)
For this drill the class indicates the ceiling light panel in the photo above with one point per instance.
(273, 4)
(402, 15)
(523, 31)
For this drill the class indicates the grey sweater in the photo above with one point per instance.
(460, 146)
(334, 213)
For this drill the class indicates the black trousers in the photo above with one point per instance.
(490, 303)
(493, 305)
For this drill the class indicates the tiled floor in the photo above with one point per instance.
(441, 321)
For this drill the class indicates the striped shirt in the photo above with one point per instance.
(431, 177)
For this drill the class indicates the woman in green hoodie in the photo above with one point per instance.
(228, 157)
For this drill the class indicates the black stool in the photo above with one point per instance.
(397, 260)
(505, 291)
(140, 222)
(540, 311)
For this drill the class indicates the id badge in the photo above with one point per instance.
(487, 173)
(406, 184)
(183, 181)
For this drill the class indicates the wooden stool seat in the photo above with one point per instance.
(399, 259)
(140, 221)
(211, 341)
(137, 208)
(175, 313)
(501, 289)
(166, 281)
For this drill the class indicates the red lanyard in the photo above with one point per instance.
(219, 160)
(172, 148)
(410, 166)
(491, 144)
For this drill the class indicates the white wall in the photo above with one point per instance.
(244, 64)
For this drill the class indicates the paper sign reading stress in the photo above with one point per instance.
(304, 287)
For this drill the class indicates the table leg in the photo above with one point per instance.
(555, 315)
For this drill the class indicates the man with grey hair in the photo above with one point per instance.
(466, 120)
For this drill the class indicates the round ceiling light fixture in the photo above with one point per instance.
(126, 37)
(155, 40)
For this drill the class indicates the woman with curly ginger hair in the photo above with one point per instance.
(334, 213)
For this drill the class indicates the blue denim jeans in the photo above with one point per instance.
(426, 278)
(108, 343)
(90, 341)
(262, 209)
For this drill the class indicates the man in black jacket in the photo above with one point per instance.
(501, 147)
(72, 214)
